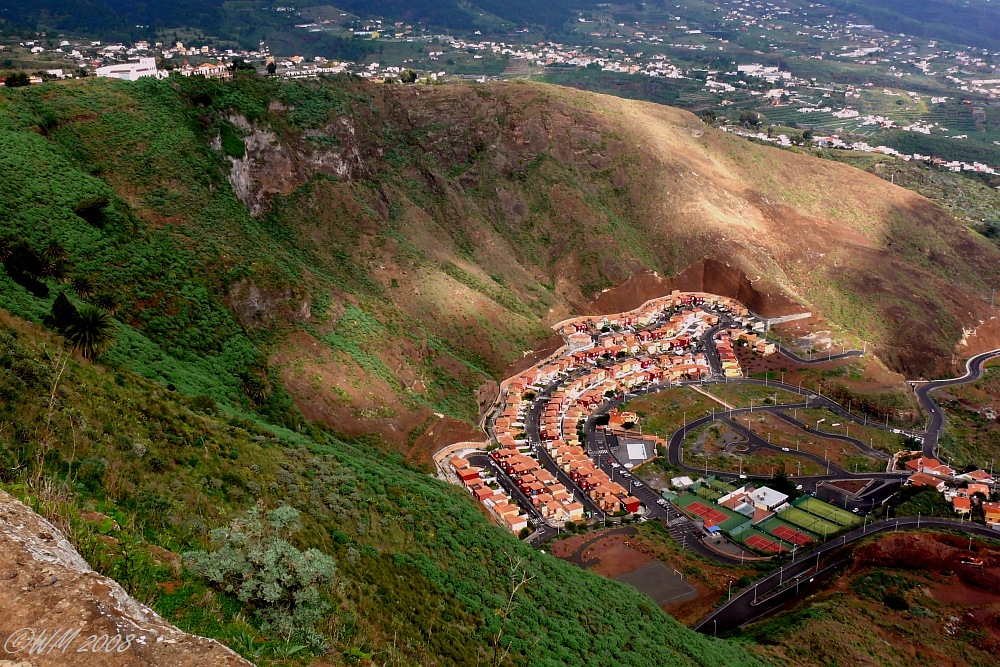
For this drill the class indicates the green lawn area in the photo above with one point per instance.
(880, 439)
(828, 511)
(810, 522)
(664, 412)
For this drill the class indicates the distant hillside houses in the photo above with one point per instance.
(207, 70)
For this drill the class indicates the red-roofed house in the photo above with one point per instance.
(992, 512)
(631, 504)
(923, 479)
(972, 489)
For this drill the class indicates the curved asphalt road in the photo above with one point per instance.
(973, 371)
(757, 600)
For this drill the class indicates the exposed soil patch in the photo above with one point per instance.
(850, 485)
(617, 553)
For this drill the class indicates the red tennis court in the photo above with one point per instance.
(713, 516)
(791, 535)
(763, 544)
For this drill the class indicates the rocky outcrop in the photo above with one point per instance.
(255, 306)
(270, 167)
(56, 611)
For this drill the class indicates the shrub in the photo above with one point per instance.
(256, 562)
(895, 601)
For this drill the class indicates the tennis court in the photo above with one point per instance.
(725, 519)
(828, 511)
(810, 522)
(791, 535)
(786, 531)
(709, 514)
(761, 543)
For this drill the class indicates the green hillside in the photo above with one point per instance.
(113, 196)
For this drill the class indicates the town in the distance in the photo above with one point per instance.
(822, 78)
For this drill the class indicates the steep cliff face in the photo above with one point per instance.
(52, 603)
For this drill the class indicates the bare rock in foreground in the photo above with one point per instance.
(55, 610)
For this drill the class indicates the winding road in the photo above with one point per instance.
(974, 368)
(774, 590)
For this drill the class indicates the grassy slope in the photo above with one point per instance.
(123, 177)
(437, 260)
(421, 572)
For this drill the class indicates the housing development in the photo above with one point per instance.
(551, 459)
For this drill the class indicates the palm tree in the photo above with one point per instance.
(55, 252)
(108, 302)
(91, 332)
(83, 286)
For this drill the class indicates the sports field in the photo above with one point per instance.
(706, 492)
(828, 511)
(810, 522)
(721, 486)
(758, 541)
(782, 530)
(711, 516)
(725, 519)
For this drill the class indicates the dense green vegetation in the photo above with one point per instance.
(118, 209)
